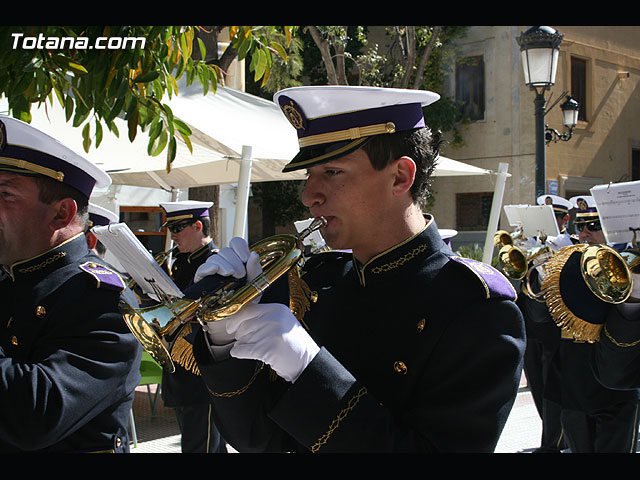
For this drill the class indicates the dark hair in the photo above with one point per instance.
(206, 225)
(421, 145)
(101, 249)
(50, 190)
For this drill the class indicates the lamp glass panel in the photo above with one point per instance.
(540, 65)
(570, 118)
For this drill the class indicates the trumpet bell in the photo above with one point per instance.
(503, 238)
(513, 262)
(144, 324)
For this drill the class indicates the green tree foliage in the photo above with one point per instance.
(81, 68)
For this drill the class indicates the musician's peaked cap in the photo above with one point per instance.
(178, 212)
(586, 209)
(334, 120)
(559, 204)
(100, 216)
(25, 150)
(447, 234)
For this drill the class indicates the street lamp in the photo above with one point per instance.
(570, 119)
(540, 47)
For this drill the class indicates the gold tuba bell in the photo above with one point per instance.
(606, 274)
(157, 328)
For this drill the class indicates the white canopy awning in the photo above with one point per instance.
(237, 138)
(222, 123)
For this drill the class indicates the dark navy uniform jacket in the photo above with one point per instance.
(68, 363)
(421, 351)
(616, 359)
(182, 388)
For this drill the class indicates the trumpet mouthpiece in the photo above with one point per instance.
(317, 223)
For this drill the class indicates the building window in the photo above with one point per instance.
(470, 87)
(635, 164)
(145, 223)
(579, 85)
(473, 210)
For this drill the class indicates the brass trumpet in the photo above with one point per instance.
(514, 261)
(157, 328)
(502, 238)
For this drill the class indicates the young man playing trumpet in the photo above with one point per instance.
(403, 346)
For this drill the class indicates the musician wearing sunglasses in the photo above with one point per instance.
(69, 366)
(401, 346)
(189, 224)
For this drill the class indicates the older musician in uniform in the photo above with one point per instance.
(69, 365)
(402, 346)
(183, 390)
(595, 419)
(543, 338)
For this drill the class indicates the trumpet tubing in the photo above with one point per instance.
(157, 328)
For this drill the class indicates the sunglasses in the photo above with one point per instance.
(178, 228)
(591, 226)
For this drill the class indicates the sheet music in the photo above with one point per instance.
(136, 259)
(513, 214)
(535, 219)
(619, 209)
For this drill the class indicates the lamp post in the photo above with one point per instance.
(539, 47)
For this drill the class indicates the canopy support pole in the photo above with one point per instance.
(242, 193)
(496, 205)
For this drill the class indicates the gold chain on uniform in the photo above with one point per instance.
(400, 261)
(239, 391)
(43, 264)
(619, 344)
(336, 422)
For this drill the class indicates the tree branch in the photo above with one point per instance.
(425, 57)
(323, 46)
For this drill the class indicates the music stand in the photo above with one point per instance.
(619, 209)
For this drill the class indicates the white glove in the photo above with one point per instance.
(269, 332)
(236, 260)
(217, 332)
